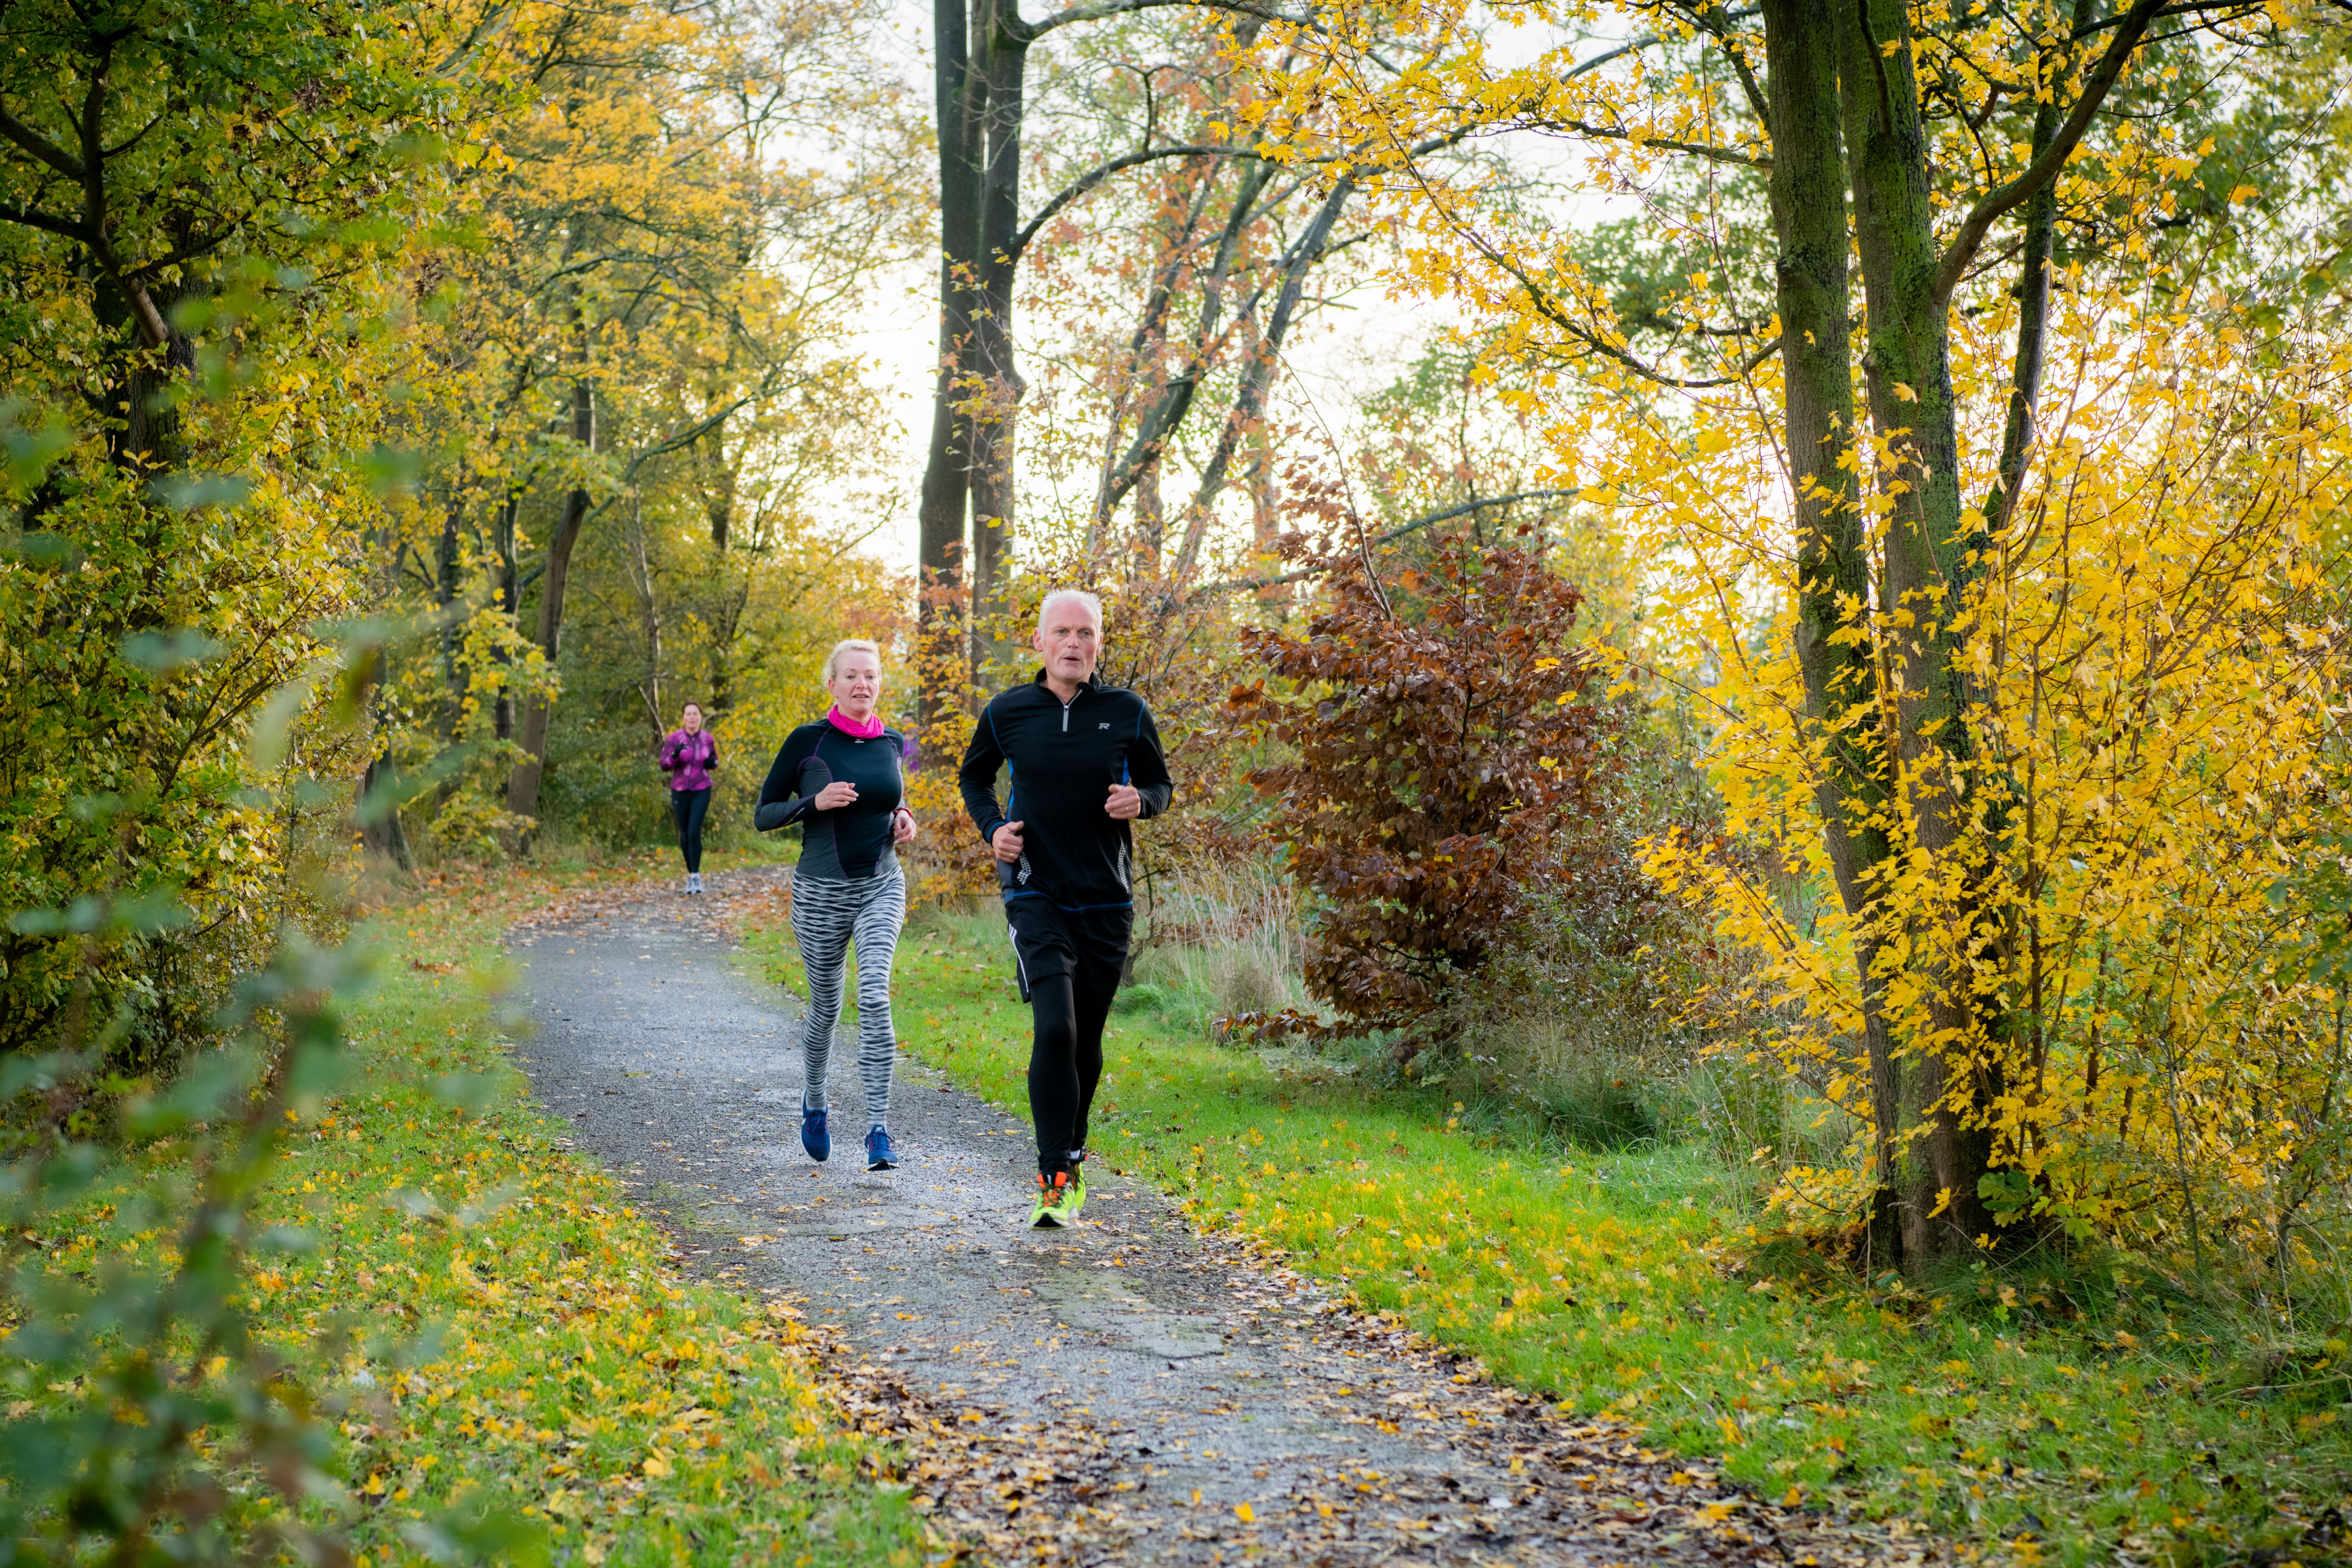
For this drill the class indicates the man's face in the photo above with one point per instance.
(1070, 640)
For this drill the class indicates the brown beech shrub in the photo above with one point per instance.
(1443, 753)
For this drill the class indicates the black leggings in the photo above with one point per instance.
(688, 807)
(1066, 1063)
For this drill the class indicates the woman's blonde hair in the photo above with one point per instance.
(847, 644)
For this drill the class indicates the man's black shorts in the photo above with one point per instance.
(1087, 945)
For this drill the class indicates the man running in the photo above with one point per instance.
(1085, 763)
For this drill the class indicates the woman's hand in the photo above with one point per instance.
(902, 825)
(835, 795)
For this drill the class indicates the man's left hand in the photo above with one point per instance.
(1125, 802)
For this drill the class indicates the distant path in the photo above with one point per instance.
(1076, 1391)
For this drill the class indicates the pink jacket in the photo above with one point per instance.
(688, 759)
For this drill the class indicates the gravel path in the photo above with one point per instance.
(1128, 1391)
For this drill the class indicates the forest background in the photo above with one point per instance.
(1827, 644)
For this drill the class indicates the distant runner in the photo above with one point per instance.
(688, 755)
(839, 779)
(1085, 763)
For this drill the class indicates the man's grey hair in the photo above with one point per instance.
(1060, 595)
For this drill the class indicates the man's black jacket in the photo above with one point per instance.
(1064, 759)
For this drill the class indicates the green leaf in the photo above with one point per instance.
(27, 455)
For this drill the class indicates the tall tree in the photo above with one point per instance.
(201, 209)
(1220, 240)
(679, 215)
(1943, 155)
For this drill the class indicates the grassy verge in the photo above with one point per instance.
(522, 1346)
(2069, 1417)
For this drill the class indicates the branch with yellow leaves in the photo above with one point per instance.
(2130, 27)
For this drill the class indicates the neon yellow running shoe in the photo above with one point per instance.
(1078, 1199)
(1054, 1208)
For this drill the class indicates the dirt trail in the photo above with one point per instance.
(1124, 1393)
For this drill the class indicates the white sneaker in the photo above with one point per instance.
(694, 882)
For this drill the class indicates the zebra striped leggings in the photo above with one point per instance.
(827, 916)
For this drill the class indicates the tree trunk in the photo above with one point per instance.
(144, 433)
(641, 578)
(719, 503)
(502, 714)
(1258, 373)
(1158, 426)
(1001, 59)
(1146, 349)
(381, 835)
(445, 595)
(1833, 586)
(2014, 1014)
(959, 105)
(522, 785)
(1931, 572)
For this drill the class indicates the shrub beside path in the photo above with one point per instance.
(1129, 1392)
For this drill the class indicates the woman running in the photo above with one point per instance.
(688, 755)
(839, 779)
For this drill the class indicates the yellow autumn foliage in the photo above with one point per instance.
(2160, 639)
(2097, 958)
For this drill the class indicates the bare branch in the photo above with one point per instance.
(1551, 312)
(1717, 21)
(1097, 175)
(2198, 9)
(1027, 32)
(33, 217)
(1484, 503)
(1696, 149)
(40, 147)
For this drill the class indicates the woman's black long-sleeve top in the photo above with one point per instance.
(844, 844)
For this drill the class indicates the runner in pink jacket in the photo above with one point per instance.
(688, 755)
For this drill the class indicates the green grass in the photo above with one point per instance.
(2066, 1414)
(555, 1367)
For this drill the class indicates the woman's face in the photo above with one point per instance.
(856, 683)
(693, 720)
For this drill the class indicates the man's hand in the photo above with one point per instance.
(1125, 802)
(833, 797)
(1006, 842)
(902, 825)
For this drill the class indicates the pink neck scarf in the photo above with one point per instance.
(848, 726)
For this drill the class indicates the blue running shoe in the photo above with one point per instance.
(880, 1155)
(815, 1137)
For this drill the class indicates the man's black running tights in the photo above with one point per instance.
(1066, 1062)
